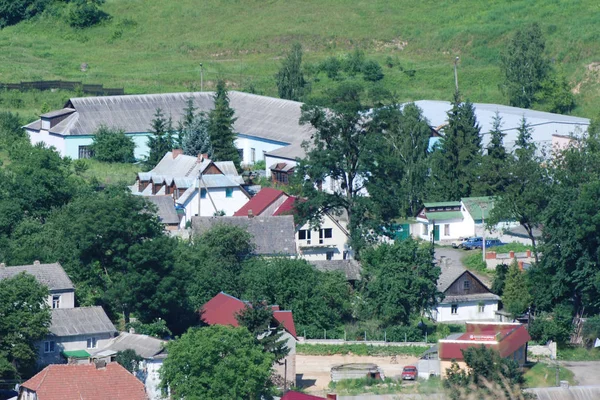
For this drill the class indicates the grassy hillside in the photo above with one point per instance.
(156, 46)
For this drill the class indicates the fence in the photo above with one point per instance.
(64, 85)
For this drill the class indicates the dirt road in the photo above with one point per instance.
(314, 372)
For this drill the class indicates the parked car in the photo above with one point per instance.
(473, 243)
(409, 373)
(459, 242)
(493, 243)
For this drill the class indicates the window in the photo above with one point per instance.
(304, 234)
(241, 154)
(329, 255)
(466, 285)
(202, 193)
(325, 234)
(446, 229)
(281, 177)
(228, 192)
(481, 307)
(56, 301)
(85, 152)
(454, 309)
(91, 343)
(253, 155)
(49, 347)
(424, 230)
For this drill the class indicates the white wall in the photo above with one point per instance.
(247, 143)
(58, 142)
(338, 243)
(228, 204)
(467, 311)
(152, 382)
(69, 343)
(290, 371)
(67, 299)
(458, 228)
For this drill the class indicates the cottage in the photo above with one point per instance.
(151, 349)
(99, 381)
(223, 309)
(509, 339)
(62, 291)
(272, 236)
(466, 296)
(74, 333)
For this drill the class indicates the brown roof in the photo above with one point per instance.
(86, 382)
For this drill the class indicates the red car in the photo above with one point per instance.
(409, 372)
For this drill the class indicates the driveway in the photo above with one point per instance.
(454, 255)
(586, 372)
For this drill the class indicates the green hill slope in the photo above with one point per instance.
(156, 46)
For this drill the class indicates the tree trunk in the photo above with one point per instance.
(529, 230)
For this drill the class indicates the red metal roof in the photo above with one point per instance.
(287, 207)
(259, 202)
(504, 338)
(300, 396)
(85, 381)
(223, 308)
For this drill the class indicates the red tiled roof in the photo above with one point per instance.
(86, 382)
(300, 396)
(223, 308)
(259, 202)
(287, 207)
(505, 339)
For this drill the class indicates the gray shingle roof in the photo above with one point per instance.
(166, 208)
(80, 321)
(272, 235)
(257, 116)
(351, 268)
(51, 275)
(145, 346)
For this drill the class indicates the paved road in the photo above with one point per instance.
(455, 255)
(586, 372)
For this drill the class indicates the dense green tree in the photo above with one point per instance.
(555, 94)
(399, 171)
(25, 318)
(354, 62)
(156, 329)
(316, 298)
(339, 153)
(488, 376)
(220, 127)
(499, 279)
(399, 281)
(455, 164)
(217, 363)
(112, 145)
(11, 130)
(129, 360)
(524, 66)
(86, 13)
(556, 325)
(258, 319)
(332, 67)
(515, 296)
(290, 80)
(14, 11)
(493, 174)
(161, 139)
(372, 71)
(196, 139)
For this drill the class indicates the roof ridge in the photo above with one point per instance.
(43, 377)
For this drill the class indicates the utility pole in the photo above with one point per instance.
(455, 72)
(202, 78)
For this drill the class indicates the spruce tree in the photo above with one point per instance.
(161, 140)
(493, 176)
(516, 296)
(291, 84)
(524, 145)
(220, 128)
(195, 137)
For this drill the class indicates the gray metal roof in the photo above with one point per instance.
(58, 113)
(80, 321)
(51, 275)
(272, 235)
(257, 116)
(145, 346)
(166, 208)
(350, 268)
(543, 124)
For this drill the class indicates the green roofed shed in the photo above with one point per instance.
(479, 207)
(442, 204)
(440, 216)
(75, 354)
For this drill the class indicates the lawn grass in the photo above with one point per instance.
(515, 246)
(544, 375)
(158, 46)
(569, 353)
(112, 173)
(473, 261)
(359, 350)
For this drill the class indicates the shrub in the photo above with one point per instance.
(111, 145)
(372, 71)
(14, 11)
(332, 67)
(555, 326)
(86, 13)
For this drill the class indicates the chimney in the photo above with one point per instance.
(331, 396)
(176, 153)
(100, 364)
(250, 214)
(202, 157)
(36, 262)
(528, 252)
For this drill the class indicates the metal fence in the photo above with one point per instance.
(64, 85)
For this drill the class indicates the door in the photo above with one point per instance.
(436, 233)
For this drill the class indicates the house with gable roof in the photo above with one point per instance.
(223, 310)
(467, 296)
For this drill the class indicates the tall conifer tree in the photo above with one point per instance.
(161, 140)
(220, 128)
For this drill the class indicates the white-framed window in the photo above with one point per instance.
(481, 307)
(454, 309)
(49, 346)
(92, 343)
(253, 155)
(304, 234)
(56, 301)
(446, 229)
(326, 233)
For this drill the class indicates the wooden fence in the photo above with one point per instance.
(64, 85)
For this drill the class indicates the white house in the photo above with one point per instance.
(263, 124)
(62, 291)
(466, 296)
